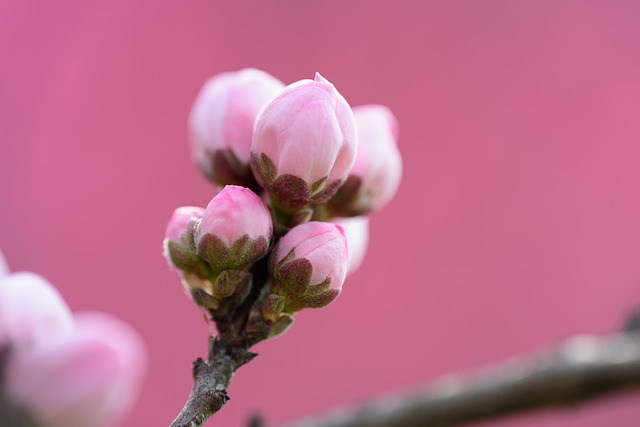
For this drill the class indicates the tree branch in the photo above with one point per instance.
(226, 354)
(577, 370)
(210, 382)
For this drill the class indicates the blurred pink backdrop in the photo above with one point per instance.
(517, 223)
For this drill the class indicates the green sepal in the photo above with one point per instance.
(264, 169)
(272, 307)
(226, 169)
(226, 283)
(292, 279)
(280, 326)
(185, 259)
(243, 252)
(350, 200)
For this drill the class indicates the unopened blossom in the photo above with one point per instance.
(179, 245)
(61, 370)
(32, 312)
(235, 229)
(304, 144)
(88, 379)
(309, 265)
(221, 123)
(356, 229)
(376, 173)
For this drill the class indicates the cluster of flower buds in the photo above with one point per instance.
(300, 171)
(213, 247)
(61, 370)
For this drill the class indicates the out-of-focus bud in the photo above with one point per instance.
(357, 231)
(179, 246)
(60, 370)
(304, 144)
(309, 266)
(88, 379)
(235, 229)
(32, 312)
(221, 123)
(376, 174)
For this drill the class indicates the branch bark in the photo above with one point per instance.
(226, 354)
(210, 382)
(580, 369)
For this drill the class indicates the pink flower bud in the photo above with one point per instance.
(309, 265)
(182, 222)
(61, 371)
(179, 246)
(88, 379)
(304, 144)
(32, 312)
(356, 230)
(221, 123)
(235, 229)
(376, 174)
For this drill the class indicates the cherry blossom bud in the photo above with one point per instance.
(235, 229)
(376, 174)
(88, 379)
(309, 265)
(32, 312)
(179, 246)
(221, 123)
(357, 231)
(304, 144)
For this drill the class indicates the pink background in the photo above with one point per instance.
(517, 223)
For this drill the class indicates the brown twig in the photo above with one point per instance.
(210, 381)
(226, 354)
(577, 370)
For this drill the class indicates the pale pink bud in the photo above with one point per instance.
(179, 246)
(32, 312)
(235, 229)
(221, 123)
(304, 144)
(356, 229)
(377, 171)
(89, 379)
(309, 265)
(182, 221)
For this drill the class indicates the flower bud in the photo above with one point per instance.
(179, 246)
(221, 123)
(356, 229)
(88, 379)
(32, 312)
(235, 229)
(304, 144)
(60, 370)
(309, 265)
(376, 174)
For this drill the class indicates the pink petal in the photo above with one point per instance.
(357, 231)
(32, 312)
(89, 379)
(234, 212)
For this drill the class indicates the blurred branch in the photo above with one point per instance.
(579, 369)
